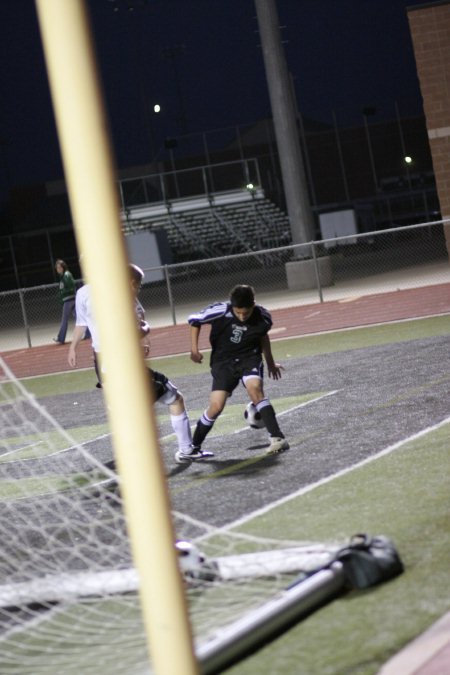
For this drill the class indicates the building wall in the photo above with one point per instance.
(430, 31)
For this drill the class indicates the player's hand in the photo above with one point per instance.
(275, 371)
(196, 357)
(72, 359)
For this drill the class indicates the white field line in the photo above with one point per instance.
(303, 405)
(247, 428)
(295, 407)
(338, 474)
(75, 446)
(23, 447)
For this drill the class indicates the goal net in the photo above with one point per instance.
(68, 589)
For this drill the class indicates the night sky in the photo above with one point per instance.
(202, 62)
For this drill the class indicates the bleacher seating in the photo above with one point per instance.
(222, 224)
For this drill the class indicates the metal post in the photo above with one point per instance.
(316, 271)
(172, 162)
(163, 187)
(90, 172)
(301, 126)
(50, 250)
(239, 140)
(246, 172)
(205, 181)
(341, 157)
(14, 262)
(258, 173)
(286, 132)
(258, 626)
(24, 316)
(208, 162)
(144, 185)
(369, 145)
(169, 293)
(402, 141)
(122, 198)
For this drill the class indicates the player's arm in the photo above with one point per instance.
(196, 355)
(144, 334)
(273, 368)
(77, 336)
(196, 320)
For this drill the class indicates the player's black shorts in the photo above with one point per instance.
(162, 387)
(227, 374)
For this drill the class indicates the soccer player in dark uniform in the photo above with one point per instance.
(239, 340)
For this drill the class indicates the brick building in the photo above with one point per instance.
(430, 31)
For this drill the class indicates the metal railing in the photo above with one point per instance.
(359, 264)
(201, 181)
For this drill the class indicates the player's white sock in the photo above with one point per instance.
(182, 429)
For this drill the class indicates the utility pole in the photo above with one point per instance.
(284, 118)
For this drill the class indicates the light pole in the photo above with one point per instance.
(406, 158)
(368, 111)
(285, 124)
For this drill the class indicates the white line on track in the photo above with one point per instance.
(338, 474)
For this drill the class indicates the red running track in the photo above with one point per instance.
(288, 322)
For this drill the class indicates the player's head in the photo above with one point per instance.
(136, 276)
(242, 298)
(61, 266)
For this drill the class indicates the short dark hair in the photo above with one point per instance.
(242, 296)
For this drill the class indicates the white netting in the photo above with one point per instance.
(68, 589)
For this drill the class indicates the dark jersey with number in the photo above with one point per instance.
(231, 338)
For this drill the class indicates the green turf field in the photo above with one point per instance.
(405, 493)
(402, 493)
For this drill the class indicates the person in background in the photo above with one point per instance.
(67, 297)
(239, 340)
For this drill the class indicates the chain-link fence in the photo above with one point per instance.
(315, 272)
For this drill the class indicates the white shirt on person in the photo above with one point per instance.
(84, 314)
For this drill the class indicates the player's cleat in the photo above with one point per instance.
(196, 455)
(277, 445)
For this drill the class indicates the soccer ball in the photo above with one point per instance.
(190, 559)
(194, 566)
(253, 417)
